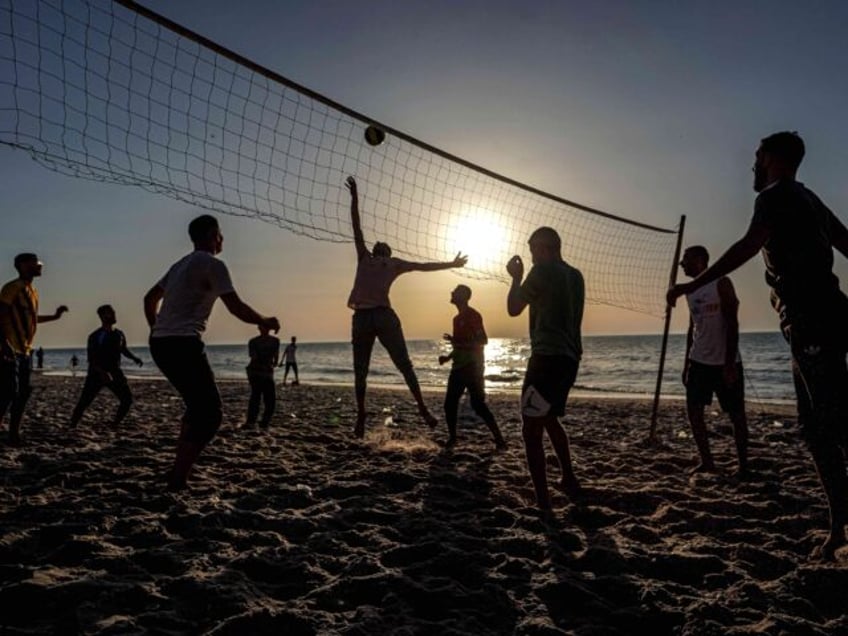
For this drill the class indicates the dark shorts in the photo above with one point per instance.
(704, 380)
(820, 376)
(183, 361)
(546, 385)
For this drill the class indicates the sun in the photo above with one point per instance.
(477, 234)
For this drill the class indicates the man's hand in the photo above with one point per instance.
(139, 362)
(685, 375)
(61, 310)
(730, 374)
(447, 337)
(350, 183)
(459, 260)
(271, 323)
(515, 267)
(443, 359)
(675, 292)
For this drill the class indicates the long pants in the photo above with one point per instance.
(94, 382)
(469, 376)
(262, 389)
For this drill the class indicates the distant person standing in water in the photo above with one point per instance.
(373, 316)
(74, 364)
(19, 319)
(712, 363)
(797, 234)
(187, 292)
(264, 351)
(39, 356)
(105, 347)
(554, 291)
(290, 360)
(468, 364)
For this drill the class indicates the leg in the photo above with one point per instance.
(531, 431)
(20, 400)
(701, 381)
(121, 388)
(391, 337)
(363, 337)
(477, 395)
(253, 402)
(90, 390)
(740, 436)
(452, 397)
(559, 439)
(296, 376)
(699, 434)
(269, 397)
(8, 386)
(286, 373)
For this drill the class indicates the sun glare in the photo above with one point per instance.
(477, 234)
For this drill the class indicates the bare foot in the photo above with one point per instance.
(429, 419)
(571, 487)
(359, 429)
(450, 442)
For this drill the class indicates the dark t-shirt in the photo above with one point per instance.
(263, 352)
(104, 349)
(798, 254)
(556, 295)
(469, 338)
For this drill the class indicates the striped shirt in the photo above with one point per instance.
(20, 319)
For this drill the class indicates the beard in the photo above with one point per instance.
(759, 178)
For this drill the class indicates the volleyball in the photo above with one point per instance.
(374, 135)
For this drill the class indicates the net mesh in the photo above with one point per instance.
(107, 91)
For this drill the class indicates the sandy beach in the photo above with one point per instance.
(304, 530)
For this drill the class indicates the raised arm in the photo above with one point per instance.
(244, 312)
(358, 238)
(151, 304)
(515, 304)
(458, 261)
(736, 255)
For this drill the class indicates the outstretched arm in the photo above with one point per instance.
(737, 255)
(151, 304)
(358, 238)
(55, 316)
(458, 261)
(244, 312)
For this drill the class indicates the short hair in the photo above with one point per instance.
(698, 251)
(786, 146)
(464, 291)
(547, 236)
(103, 309)
(381, 249)
(23, 258)
(200, 227)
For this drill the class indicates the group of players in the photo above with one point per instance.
(793, 229)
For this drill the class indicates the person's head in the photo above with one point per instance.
(460, 295)
(695, 260)
(107, 315)
(545, 245)
(294, 339)
(778, 157)
(206, 234)
(263, 330)
(28, 265)
(381, 249)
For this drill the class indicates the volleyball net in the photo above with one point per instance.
(109, 91)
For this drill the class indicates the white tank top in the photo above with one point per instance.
(709, 328)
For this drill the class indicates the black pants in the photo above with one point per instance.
(469, 376)
(262, 389)
(15, 389)
(183, 361)
(116, 383)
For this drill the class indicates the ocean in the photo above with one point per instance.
(611, 365)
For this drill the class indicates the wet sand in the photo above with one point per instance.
(305, 530)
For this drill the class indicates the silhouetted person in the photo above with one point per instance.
(290, 360)
(555, 292)
(74, 364)
(39, 356)
(467, 366)
(712, 363)
(264, 351)
(797, 233)
(19, 320)
(188, 291)
(105, 347)
(373, 316)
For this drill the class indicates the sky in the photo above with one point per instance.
(649, 110)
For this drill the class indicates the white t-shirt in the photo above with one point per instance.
(192, 286)
(374, 277)
(709, 328)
